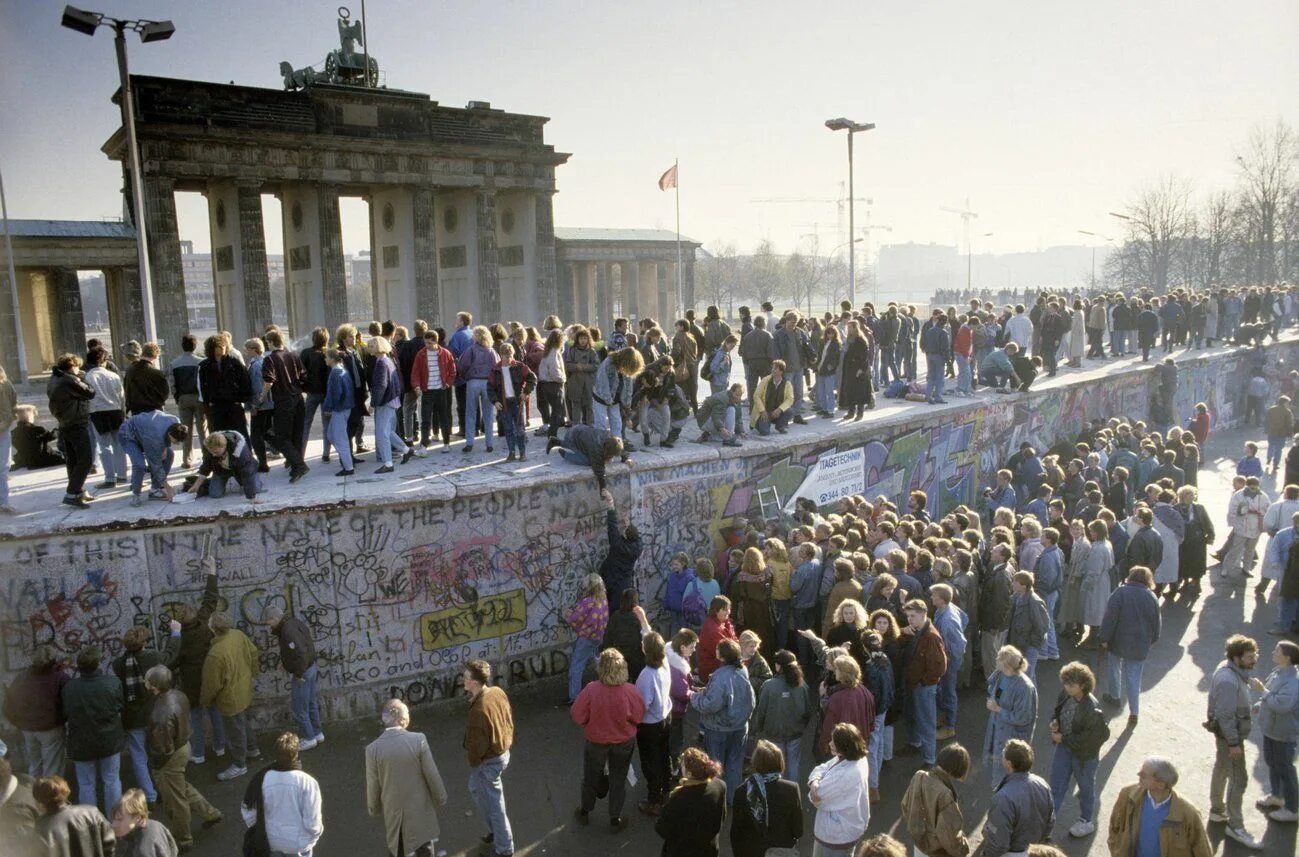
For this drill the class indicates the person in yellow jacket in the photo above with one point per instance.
(1151, 808)
(228, 674)
(772, 400)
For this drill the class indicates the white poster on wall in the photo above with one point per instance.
(835, 475)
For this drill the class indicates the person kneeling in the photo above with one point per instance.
(226, 454)
(720, 414)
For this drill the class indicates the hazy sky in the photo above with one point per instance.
(1045, 115)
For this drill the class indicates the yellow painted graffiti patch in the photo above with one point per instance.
(484, 618)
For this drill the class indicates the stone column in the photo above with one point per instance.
(604, 294)
(427, 299)
(631, 289)
(333, 277)
(9, 325)
(170, 309)
(548, 281)
(688, 278)
(65, 311)
(647, 297)
(252, 257)
(489, 280)
(668, 296)
(125, 306)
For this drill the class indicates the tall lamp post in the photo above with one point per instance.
(842, 124)
(150, 31)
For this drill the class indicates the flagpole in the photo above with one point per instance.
(681, 304)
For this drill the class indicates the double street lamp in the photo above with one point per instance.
(842, 124)
(150, 31)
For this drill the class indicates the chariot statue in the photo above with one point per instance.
(343, 65)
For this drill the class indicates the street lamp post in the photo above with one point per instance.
(842, 124)
(150, 31)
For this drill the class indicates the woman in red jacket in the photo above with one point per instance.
(847, 702)
(717, 627)
(609, 712)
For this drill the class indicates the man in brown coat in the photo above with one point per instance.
(925, 663)
(931, 808)
(402, 784)
(489, 735)
(1180, 834)
(167, 743)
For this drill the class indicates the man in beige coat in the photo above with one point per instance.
(403, 785)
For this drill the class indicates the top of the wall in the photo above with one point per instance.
(456, 478)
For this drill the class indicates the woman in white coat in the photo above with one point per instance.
(839, 789)
(1094, 594)
(1077, 334)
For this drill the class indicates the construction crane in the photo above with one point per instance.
(839, 202)
(966, 216)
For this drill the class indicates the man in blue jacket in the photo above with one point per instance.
(725, 706)
(147, 438)
(937, 343)
(951, 622)
(1048, 579)
(1128, 630)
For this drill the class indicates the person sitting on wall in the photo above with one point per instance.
(583, 444)
(31, 442)
(226, 454)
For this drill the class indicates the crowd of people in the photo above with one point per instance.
(821, 637)
(246, 407)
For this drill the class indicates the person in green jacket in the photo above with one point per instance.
(228, 674)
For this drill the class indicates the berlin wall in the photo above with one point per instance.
(399, 596)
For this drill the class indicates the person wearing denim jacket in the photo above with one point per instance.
(725, 706)
(474, 366)
(261, 406)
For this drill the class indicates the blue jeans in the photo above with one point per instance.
(796, 378)
(793, 750)
(475, 401)
(947, 691)
(825, 393)
(1287, 616)
(924, 721)
(140, 763)
(877, 748)
(516, 427)
(111, 455)
(216, 486)
(336, 436)
(306, 709)
(107, 771)
(583, 651)
(888, 364)
(1131, 685)
(314, 401)
(727, 748)
(1051, 648)
(6, 456)
(765, 425)
(488, 792)
(1065, 766)
(1032, 654)
(573, 457)
(934, 377)
(385, 433)
(157, 470)
(1275, 450)
(1279, 758)
(964, 377)
(198, 731)
(608, 417)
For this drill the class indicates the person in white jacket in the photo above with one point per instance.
(1245, 513)
(285, 802)
(1277, 518)
(839, 789)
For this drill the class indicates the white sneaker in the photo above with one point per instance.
(1082, 828)
(320, 738)
(233, 772)
(219, 753)
(1242, 836)
(1217, 817)
(1269, 802)
(309, 744)
(197, 760)
(1283, 815)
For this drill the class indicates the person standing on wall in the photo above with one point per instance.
(315, 383)
(144, 385)
(70, 397)
(228, 673)
(354, 362)
(184, 388)
(489, 734)
(403, 785)
(282, 377)
(298, 657)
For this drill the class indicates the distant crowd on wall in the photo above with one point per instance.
(591, 393)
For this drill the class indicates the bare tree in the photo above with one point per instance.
(717, 276)
(1157, 222)
(1267, 172)
(765, 273)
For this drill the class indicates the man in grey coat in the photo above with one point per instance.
(1230, 719)
(403, 786)
(1022, 811)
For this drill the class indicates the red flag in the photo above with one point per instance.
(668, 179)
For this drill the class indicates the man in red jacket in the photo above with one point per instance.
(925, 662)
(432, 376)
